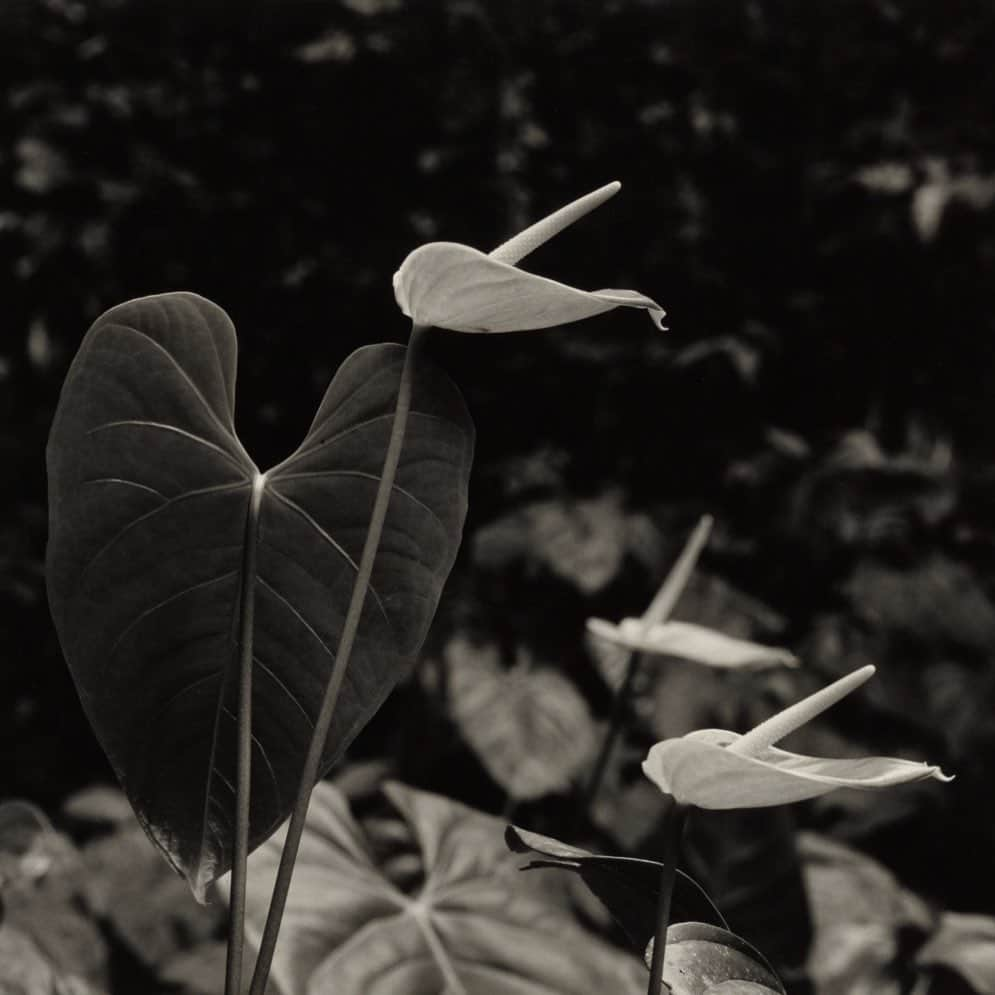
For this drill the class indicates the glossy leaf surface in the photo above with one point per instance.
(629, 888)
(149, 494)
(702, 959)
(441, 908)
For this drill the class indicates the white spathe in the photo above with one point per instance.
(454, 286)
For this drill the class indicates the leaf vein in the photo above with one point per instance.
(295, 507)
(365, 476)
(200, 492)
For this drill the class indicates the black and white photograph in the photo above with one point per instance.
(498, 497)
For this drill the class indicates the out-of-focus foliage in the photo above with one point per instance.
(811, 188)
(420, 897)
(528, 725)
(47, 941)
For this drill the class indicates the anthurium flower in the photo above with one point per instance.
(454, 286)
(690, 642)
(717, 769)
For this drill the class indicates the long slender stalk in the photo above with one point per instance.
(243, 762)
(673, 828)
(350, 628)
(619, 704)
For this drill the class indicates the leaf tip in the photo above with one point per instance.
(513, 840)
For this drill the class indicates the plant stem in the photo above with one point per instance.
(350, 628)
(243, 762)
(673, 827)
(619, 704)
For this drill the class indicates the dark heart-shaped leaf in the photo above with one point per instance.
(628, 887)
(702, 959)
(440, 908)
(154, 506)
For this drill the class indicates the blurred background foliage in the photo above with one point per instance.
(808, 189)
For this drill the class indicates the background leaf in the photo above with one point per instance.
(863, 919)
(583, 541)
(149, 492)
(47, 942)
(459, 910)
(528, 725)
(964, 944)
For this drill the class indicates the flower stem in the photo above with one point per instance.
(243, 762)
(350, 627)
(673, 828)
(619, 704)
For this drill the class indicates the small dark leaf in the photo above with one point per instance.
(628, 887)
(703, 959)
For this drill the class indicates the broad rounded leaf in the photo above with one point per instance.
(691, 642)
(454, 286)
(697, 769)
(150, 528)
(528, 725)
(351, 927)
(628, 887)
(702, 959)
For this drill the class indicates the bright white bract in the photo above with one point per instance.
(714, 768)
(690, 642)
(449, 285)
(699, 769)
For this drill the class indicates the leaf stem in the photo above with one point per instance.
(312, 763)
(243, 762)
(673, 828)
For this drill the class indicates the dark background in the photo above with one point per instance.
(808, 190)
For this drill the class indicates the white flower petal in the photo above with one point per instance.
(454, 286)
(697, 769)
(691, 642)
